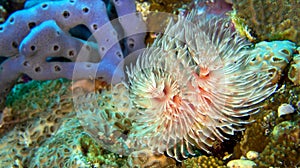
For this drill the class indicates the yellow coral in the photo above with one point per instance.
(277, 136)
(204, 162)
(240, 26)
(294, 71)
(270, 20)
(146, 158)
(281, 151)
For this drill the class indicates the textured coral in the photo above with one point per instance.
(98, 156)
(257, 132)
(48, 135)
(283, 149)
(157, 14)
(146, 158)
(20, 144)
(63, 149)
(275, 55)
(271, 19)
(240, 26)
(204, 162)
(277, 136)
(294, 71)
(26, 101)
(103, 116)
(169, 6)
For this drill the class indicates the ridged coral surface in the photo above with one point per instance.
(203, 161)
(183, 99)
(271, 19)
(278, 136)
(275, 55)
(294, 71)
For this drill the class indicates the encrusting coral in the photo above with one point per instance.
(294, 71)
(275, 55)
(278, 136)
(49, 134)
(27, 101)
(283, 149)
(203, 162)
(103, 116)
(72, 147)
(36, 111)
(146, 158)
(63, 149)
(197, 83)
(271, 19)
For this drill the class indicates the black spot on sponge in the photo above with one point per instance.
(66, 14)
(32, 48)
(31, 25)
(14, 44)
(44, 6)
(38, 69)
(85, 10)
(95, 26)
(71, 53)
(55, 48)
(130, 43)
(57, 68)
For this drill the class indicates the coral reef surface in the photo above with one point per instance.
(199, 96)
(271, 19)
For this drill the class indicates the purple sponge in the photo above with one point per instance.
(37, 41)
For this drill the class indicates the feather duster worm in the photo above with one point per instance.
(192, 86)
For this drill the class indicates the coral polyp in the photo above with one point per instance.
(192, 87)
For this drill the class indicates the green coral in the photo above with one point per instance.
(283, 149)
(271, 19)
(50, 134)
(278, 137)
(240, 25)
(62, 149)
(96, 155)
(72, 147)
(204, 162)
(37, 94)
(28, 100)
